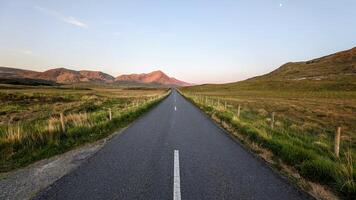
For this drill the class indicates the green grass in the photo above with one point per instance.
(30, 127)
(310, 100)
(308, 149)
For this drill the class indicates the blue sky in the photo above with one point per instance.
(196, 41)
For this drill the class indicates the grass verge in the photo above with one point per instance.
(23, 144)
(310, 160)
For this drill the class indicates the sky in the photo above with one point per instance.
(195, 41)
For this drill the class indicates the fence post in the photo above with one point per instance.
(110, 114)
(337, 141)
(206, 100)
(18, 128)
(238, 111)
(62, 122)
(272, 120)
(225, 105)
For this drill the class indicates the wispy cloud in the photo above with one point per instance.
(67, 19)
(24, 51)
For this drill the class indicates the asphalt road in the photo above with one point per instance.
(141, 163)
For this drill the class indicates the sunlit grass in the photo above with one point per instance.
(35, 131)
(300, 141)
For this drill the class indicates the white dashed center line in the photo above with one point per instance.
(175, 108)
(176, 181)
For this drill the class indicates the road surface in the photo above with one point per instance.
(172, 152)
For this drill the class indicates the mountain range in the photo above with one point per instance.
(68, 76)
(335, 71)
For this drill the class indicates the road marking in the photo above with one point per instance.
(176, 182)
(175, 108)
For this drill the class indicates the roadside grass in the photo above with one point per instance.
(30, 125)
(303, 142)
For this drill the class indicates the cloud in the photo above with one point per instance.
(67, 19)
(24, 51)
(74, 21)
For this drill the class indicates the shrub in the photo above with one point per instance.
(290, 153)
(255, 134)
(225, 116)
(321, 169)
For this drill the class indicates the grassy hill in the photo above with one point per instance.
(328, 67)
(335, 72)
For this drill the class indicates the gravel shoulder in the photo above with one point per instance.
(26, 182)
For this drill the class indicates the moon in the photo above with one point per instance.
(280, 5)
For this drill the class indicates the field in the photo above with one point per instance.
(30, 118)
(302, 136)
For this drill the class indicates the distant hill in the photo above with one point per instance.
(62, 75)
(67, 76)
(21, 77)
(153, 78)
(338, 64)
(17, 73)
(332, 72)
(52, 76)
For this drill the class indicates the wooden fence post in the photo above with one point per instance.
(272, 120)
(18, 128)
(238, 111)
(62, 122)
(225, 105)
(337, 141)
(206, 100)
(110, 114)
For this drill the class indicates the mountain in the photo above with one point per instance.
(18, 73)
(21, 77)
(63, 75)
(335, 72)
(52, 76)
(153, 78)
(68, 76)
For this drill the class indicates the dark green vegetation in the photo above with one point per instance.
(310, 100)
(30, 125)
(25, 81)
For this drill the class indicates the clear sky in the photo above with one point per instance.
(196, 41)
